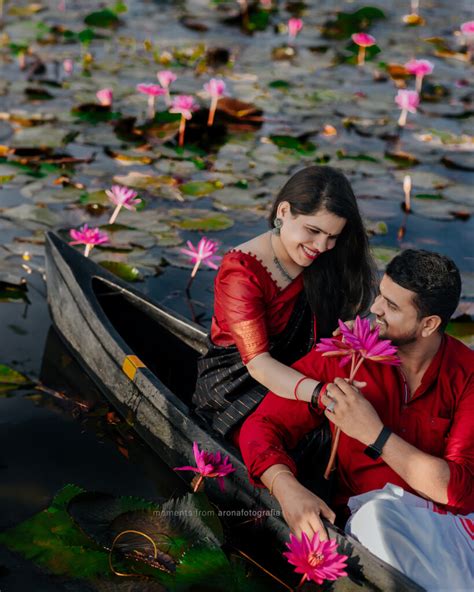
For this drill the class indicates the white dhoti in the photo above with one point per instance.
(435, 550)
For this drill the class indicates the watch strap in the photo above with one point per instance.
(375, 450)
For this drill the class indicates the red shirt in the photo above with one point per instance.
(249, 306)
(438, 419)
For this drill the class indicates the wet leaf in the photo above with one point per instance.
(155, 185)
(280, 84)
(383, 256)
(11, 378)
(402, 159)
(347, 23)
(198, 188)
(122, 270)
(301, 146)
(203, 220)
(33, 213)
(461, 162)
(429, 196)
(102, 18)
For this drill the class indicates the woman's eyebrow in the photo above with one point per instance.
(321, 230)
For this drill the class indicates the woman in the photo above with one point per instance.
(272, 292)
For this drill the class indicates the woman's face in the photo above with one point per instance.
(306, 237)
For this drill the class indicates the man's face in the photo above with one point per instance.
(396, 315)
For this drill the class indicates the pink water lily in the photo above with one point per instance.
(467, 30)
(68, 66)
(408, 101)
(165, 78)
(122, 197)
(185, 105)
(363, 40)
(359, 343)
(204, 253)
(215, 88)
(419, 69)
(90, 237)
(317, 560)
(105, 96)
(209, 465)
(152, 91)
(294, 27)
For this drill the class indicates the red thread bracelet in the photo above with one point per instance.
(295, 392)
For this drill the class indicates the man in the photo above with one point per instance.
(417, 421)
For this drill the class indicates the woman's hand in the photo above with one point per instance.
(302, 510)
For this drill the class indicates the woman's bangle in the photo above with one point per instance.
(295, 392)
(316, 396)
(270, 489)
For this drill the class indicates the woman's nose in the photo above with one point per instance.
(321, 244)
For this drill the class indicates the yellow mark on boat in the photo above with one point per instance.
(130, 366)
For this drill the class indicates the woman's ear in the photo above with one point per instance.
(283, 209)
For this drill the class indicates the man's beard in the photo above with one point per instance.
(403, 339)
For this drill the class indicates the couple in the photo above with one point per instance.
(405, 462)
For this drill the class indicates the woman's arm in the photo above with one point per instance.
(280, 379)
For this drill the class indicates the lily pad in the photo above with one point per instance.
(11, 379)
(347, 23)
(102, 18)
(33, 213)
(156, 185)
(126, 272)
(198, 188)
(301, 146)
(383, 256)
(203, 220)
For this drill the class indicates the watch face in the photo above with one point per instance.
(372, 452)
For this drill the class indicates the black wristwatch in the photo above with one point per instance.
(375, 449)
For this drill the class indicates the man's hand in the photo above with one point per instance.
(302, 510)
(353, 414)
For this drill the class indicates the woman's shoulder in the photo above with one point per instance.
(247, 257)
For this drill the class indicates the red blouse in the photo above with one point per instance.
(438, 419)
(249, 306)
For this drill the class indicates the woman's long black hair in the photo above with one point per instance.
(340, 282)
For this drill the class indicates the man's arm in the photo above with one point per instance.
(429, 475)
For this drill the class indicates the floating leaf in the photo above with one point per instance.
(301, 146)
(12, 378)
(402, 159)
(198, 188)
(102, 18)
(152, 184)
(429, 196)
(280, 84)
(122, 270)
(347, 23)
(203, 220)
(383, 256)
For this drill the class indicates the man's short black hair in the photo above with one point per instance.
(434, 278)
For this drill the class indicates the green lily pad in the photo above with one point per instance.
(33, 213)
(429, 196)
(156, 185)
(198, 188)
(347, 23)
(383, 256)
(280, 84)
(11, 379)
(292, 143)
(102, 18)
(203, 220)
(122, 270)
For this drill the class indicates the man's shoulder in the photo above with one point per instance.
(458, 354)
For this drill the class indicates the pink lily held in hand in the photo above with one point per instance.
(209, 465)
(358, 344)
(419, 69)
(122, 197)
(408, 101)
(317, 560)
(152, 91)
(294, 27)
(165, 78)
(215, 88)
(363, 40)
(105, 96)
(185, 105)
(90, 237)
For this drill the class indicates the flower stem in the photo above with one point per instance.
(212, 110)
(198, 484)
(419, 83)
(332, 458)
(113, 217)
(151, 107)
(403, 118)
(87, 250)
(302, 581)
(167, 98)
(182, 127)
(361, 56)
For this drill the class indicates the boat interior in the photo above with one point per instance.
(167, 347)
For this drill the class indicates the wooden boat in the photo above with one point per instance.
(143, 356)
